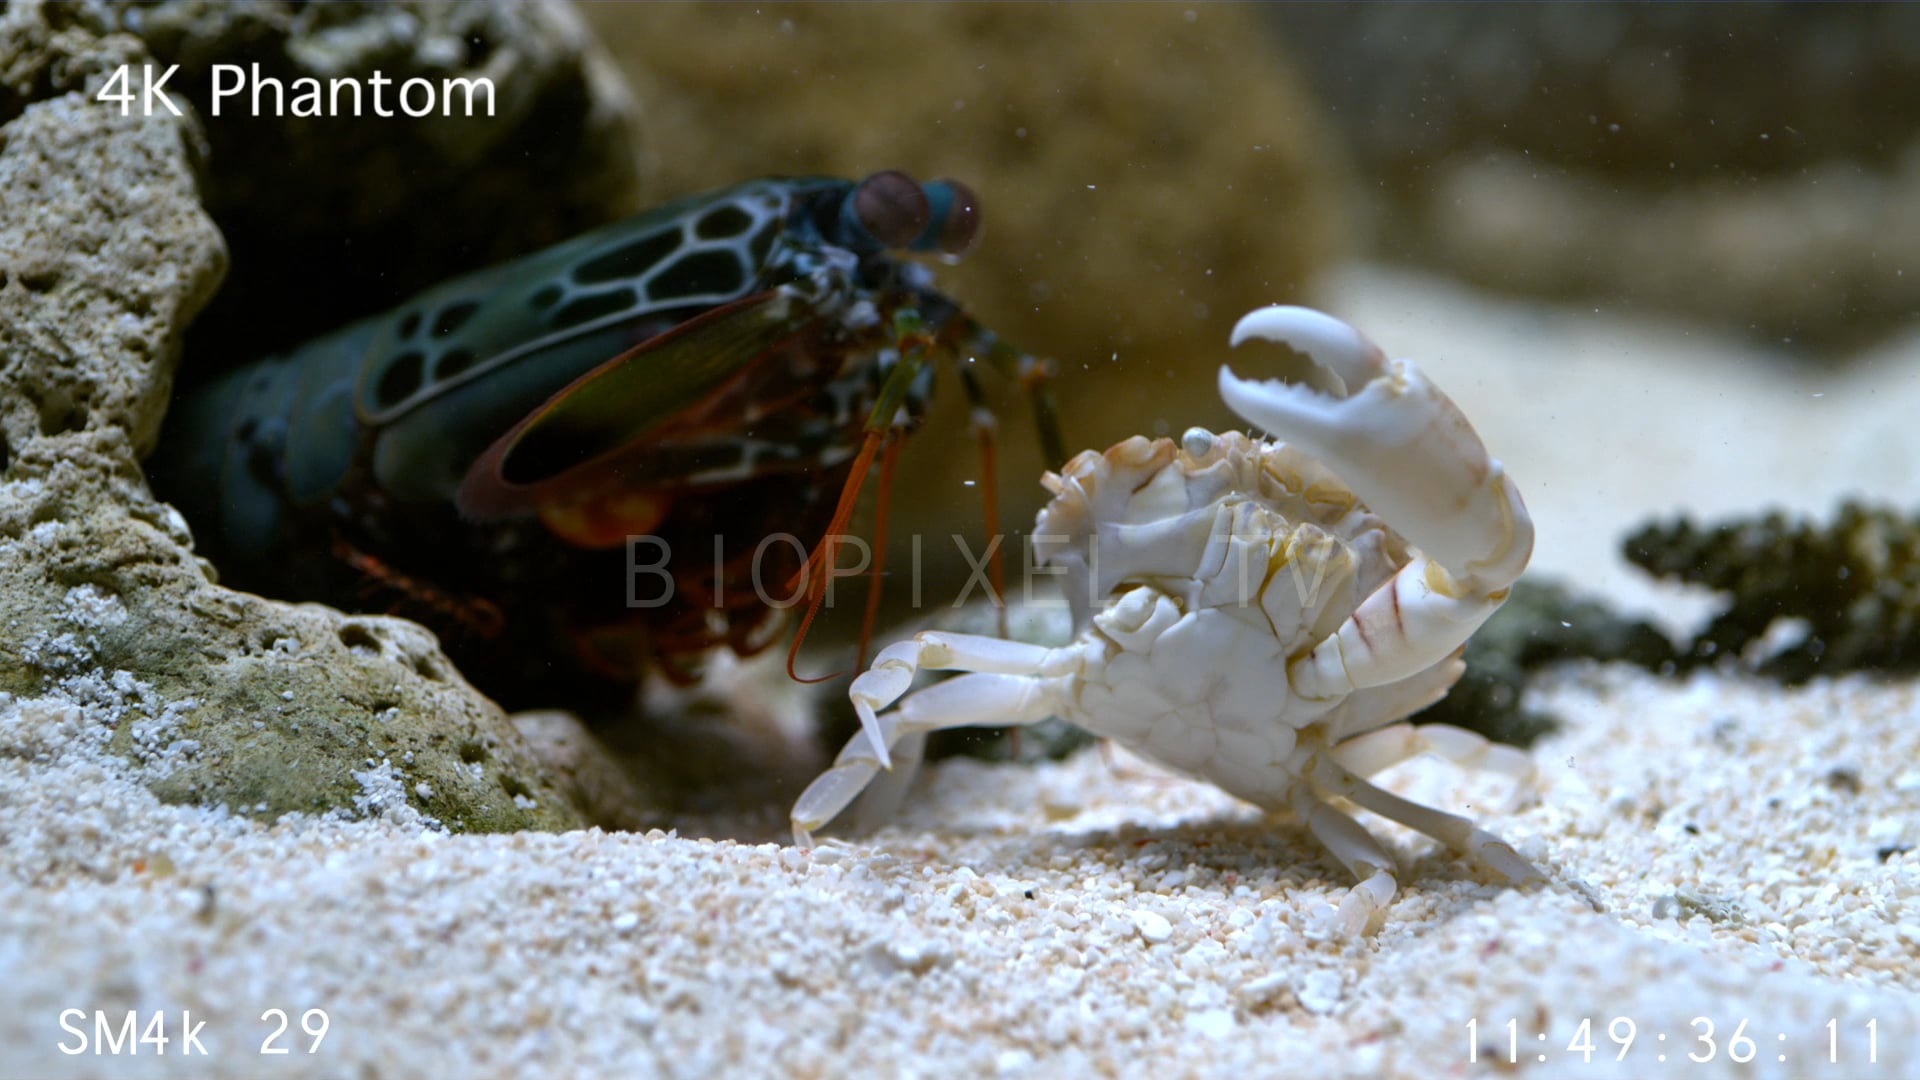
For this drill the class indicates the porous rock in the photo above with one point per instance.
(216, 697)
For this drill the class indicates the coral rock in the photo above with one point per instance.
(215, 697)
(1854, 584)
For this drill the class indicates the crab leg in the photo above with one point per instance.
(893, 671)
(1450, 829)
(1357, 850)
(999, 700)
(1409, 453)
(1389, 746)
(881, 799)
(1364, 711)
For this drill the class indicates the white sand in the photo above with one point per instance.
(1715, 850)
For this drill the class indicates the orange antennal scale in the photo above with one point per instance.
(887, 462)
(816, 586)
(910, 331)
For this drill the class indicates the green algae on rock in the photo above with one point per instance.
(1854, 586)
(1542, 623)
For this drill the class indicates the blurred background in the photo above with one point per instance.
(1663, 256)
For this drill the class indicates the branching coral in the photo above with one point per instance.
(1855, 585)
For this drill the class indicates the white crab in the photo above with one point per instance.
(1260, 621)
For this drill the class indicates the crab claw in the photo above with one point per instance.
(1408, 452)
(1402, 445)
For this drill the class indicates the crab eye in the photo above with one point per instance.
(956, 219)
(891, 207)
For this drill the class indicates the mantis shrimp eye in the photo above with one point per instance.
(892, 208)
(956, 218)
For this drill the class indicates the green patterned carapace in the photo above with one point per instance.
(709, 374)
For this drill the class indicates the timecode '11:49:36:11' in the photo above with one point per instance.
(1739, 1047)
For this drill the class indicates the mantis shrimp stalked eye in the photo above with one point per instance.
(586, 460)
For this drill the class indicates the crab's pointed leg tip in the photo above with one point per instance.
(870, 724)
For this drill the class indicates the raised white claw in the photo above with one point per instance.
(1396, 439)
(1408, 452)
